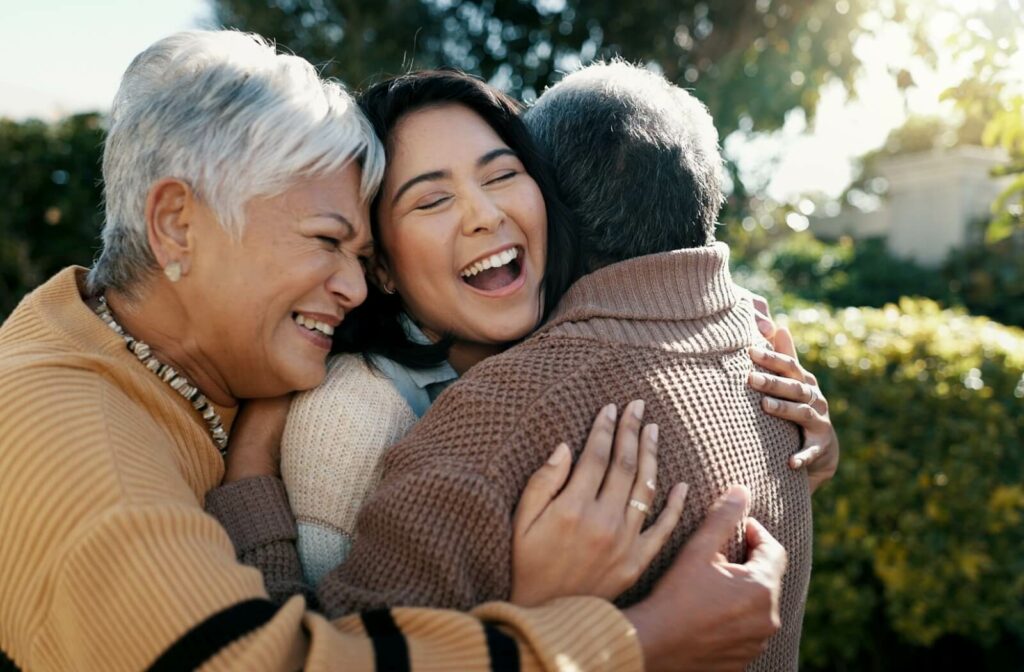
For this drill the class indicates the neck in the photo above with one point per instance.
(160, 320)
(463, 356)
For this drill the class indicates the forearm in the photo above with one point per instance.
(256, 514)
(170, 596)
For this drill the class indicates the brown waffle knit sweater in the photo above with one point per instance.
(671, 329)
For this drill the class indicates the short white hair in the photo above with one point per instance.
(226, 113)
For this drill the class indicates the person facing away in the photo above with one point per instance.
(656, 317)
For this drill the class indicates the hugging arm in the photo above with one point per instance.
(252, 504)
(705, 613)
(443, 536)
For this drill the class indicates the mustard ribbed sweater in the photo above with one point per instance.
(108, 561)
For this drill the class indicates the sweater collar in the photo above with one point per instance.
(60, 302)
(685, 284)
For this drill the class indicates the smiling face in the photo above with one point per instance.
(271, 299)
(463, 227)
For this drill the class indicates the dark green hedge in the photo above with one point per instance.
(987, 279)
(51, 195)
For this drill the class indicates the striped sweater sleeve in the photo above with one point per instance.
(108, 561)
(255, 512)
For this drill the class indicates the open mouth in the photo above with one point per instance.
(316, 326)
(495, 272)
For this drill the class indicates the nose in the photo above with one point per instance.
(481, 215)
(348, 284)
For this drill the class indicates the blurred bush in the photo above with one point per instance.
(918, 539)
(846, 273)
(50, 188)
(986, 278)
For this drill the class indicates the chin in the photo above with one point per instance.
(510, 333)
(300, 379)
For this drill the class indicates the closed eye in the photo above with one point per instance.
(330, 240)
(503, 177)
(432, 204)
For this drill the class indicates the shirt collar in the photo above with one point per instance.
(441, 373)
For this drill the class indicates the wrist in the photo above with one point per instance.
(238, 472)
(646, 624)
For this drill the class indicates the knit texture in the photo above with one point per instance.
(671, 329)
(331, 454)
(107, 558)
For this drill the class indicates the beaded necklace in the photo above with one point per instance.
(169, 375)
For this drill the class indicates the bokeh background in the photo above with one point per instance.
(876, 178)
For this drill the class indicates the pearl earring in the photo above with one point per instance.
(173, 271)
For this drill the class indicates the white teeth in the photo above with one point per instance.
(314, 325)
(493, 261)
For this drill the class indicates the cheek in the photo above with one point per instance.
(419, 254)
(534, 217)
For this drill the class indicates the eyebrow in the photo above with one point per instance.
(350, 231)
(440, 174)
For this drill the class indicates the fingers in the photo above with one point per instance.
(778, 362)
(657, 534)
(763, 317)
(645, 483)
(760, 304)
(764, 553)
(542, 488)
(802, 414)
(593, 463)
(766, 327)
(625, 461)
(720, 523)
(783, 343)
(805, 457)
(783, 388)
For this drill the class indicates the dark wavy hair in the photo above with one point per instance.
(375, 326)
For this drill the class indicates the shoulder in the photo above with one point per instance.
(335, 434)
(351, 389)
(85, 426)
(511, 398)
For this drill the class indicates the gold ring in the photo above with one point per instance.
(640, 506)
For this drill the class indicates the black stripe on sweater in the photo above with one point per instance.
(503, 650)
(204, 640)
(389, 646)
(6, 664)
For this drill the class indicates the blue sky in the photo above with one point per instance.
(61, 56)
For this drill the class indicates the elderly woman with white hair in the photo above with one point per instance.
(236, 189)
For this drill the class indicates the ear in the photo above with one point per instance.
(379, 273)
(170, 207)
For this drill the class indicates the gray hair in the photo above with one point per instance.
(226, 113)
(636, 159)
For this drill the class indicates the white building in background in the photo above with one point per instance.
(932, 199)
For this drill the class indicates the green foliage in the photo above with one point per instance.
(747, 60)
(988, 278)
(847, 273)
(990, 41)
(918, 538)
(798, 269)
(50, 187)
